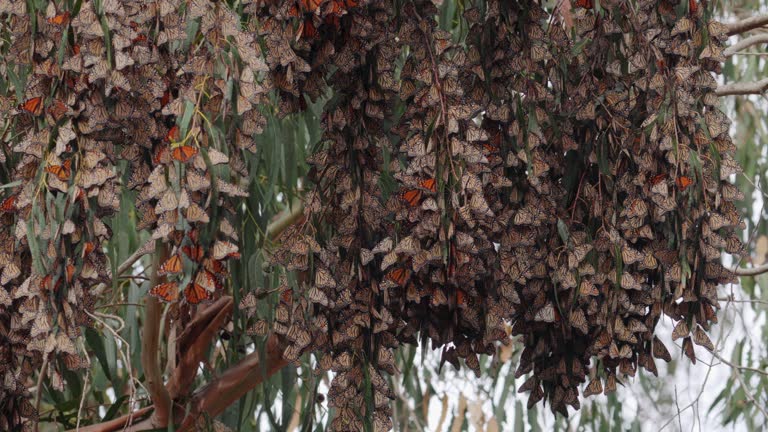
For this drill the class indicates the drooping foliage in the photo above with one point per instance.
(564, 183)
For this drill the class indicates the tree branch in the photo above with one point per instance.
(757, 87)
(150, 346)
(233, 384)
(754, 271)
(746, 43)
(747, 24)
(118, 423)
(194, 342)
(285, 219)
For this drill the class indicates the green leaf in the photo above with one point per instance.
(114, 408)
(96, 343)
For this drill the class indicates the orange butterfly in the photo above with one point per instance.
(683, 182)
(308, 30)
(70, 273)
(399, 276)
(173, 134)
(214, 266)
(168, 292)
(63, 171)
(33, 106)
(161, 155)
(45, 283)
(184, 153)
(60, 19)
(58, 109)
(172, 266)
(194, 252)
(196, 294)
(657, 179)
(310, 5)
(88, 247)
(429, 184)
(287, 296)
(461, 298)
(693, 7)
(165, 99)
(411, 196)
(9, 204)
(207, 280)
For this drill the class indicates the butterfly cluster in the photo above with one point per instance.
(518, 181)
(117, 114)
(562, 188)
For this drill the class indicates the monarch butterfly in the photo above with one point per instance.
(168, 292)
(184, 153)
(683, 182)
(165, 99)
(161, 155)
(9, 204)
(461, 298)
(693, 7)
(88, 247)
(70, 273)
(310, 5)
(214, 266)
(60, 19)
(307, 29)
(194, 252)
(63, 171)
(173, 134)
(196, 294)
(287, 296)
(33, 106)
(225, 249)
(172, 266)
(700, 338)
(399, 276)
(411, 196)
(429, 184)
(207, 280)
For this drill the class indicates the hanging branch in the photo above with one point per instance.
(746, 25)
(150, 346)
(757, 87)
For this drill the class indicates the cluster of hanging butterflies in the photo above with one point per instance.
(580, 223)
(83, 112)
(580, 208)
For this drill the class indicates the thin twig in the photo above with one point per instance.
(748, 393)
(40, 387)
(679, 417)
(82, 398)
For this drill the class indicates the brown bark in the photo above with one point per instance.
(233, 384)
(193, 344)
(150, 346)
